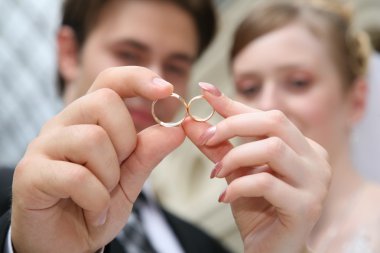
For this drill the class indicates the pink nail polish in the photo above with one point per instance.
(210, 89)
(206, 136)
(222, 196)
(216, 170)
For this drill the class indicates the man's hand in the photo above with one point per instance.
(75, 187)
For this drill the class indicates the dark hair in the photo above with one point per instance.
(330, 21)
(82, 17)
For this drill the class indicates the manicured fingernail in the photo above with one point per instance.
(210, 89)
(222, 196)
(160, 82)
(102, 218)
(216, 169)
(206, 136)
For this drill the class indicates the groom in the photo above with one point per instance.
(75, 187)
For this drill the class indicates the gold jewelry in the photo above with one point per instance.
(195, 117)
(169, 124)
(187, 109)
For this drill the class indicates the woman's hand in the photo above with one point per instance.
(75, 187)
(277, 181)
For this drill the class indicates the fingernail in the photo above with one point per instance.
(206, 136)
(222, 196)
(160, 82)
(210, 88)
(102, 218)
(216, 170)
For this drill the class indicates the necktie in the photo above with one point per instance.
(133, 237)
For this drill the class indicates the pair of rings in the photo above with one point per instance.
(187, 107)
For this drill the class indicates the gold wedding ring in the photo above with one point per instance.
(199, 119)
(169, 124)
(187, 109)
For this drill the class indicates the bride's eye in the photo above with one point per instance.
(248, 88)
(298, 82)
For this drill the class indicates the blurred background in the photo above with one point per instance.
(28, 73)
(28, 95)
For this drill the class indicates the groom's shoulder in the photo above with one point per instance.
(6, 178)
(4, 226)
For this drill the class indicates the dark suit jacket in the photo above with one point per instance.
(192, 239)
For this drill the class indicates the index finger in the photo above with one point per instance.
(106, 93)
(222, 104)
(104, 106)
(244, 121)
(133, 81)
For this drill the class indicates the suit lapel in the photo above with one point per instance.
(114, 247)
(5, 221)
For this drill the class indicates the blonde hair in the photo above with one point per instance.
(329, 20)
